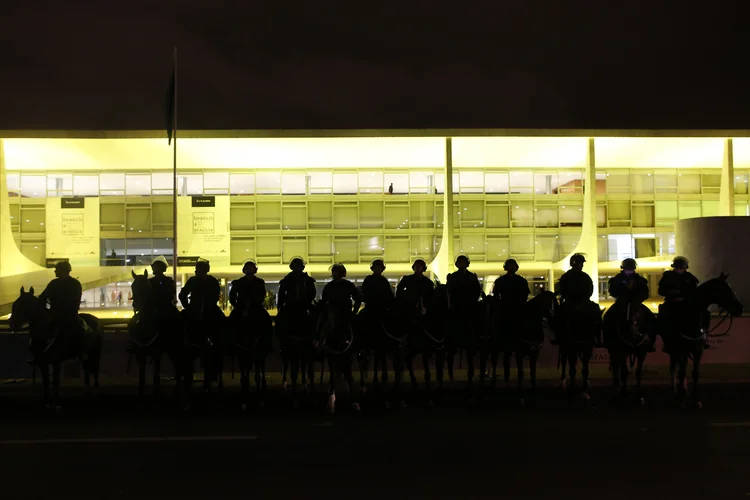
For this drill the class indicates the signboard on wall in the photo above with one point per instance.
(72, 230)
(203, 228)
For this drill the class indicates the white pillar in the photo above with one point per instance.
(443, 262)
(12, 261)
(726, 193)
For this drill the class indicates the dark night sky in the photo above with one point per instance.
(397, 64)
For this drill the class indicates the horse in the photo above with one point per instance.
(379, 338)
(251, 341)
(578, 328)
(296, 328)
(519, 333)
(627, 333)
(337, 344)
(50, 345)
(465, 334)
(151, 335)
(204, 339)
(684, 331)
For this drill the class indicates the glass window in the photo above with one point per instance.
(741, 208)
(710, 208)
(521, 182)
(498, 248)
(545, 183)
(665, 181)
(268, 248)
(421, 182)
(320, 182)
(371, 214)
(666, 212)
(293, 247)
(346, 249)
(620, 246)
(139, 251)
(570, 182)
(371, 182)
(689, 209)
(241, 217)
(241, 249)
(32, 220)
(216, 182)
(162, 183)
(371, 245)
(571, 215)
(740, 183)
(400, 182)
(601, 215)
(112, 214)
(33, 186)
(161, 214)
(498, 215)
(522, 245)
(496, 183)
(267, 183)
(545, 248)
(241, 184)
(397, 249)
(294, 215)
(137, 220)
(59, 184)
(471, 182)
(643, 215)
(711, 183)
(422, 214)
(268, 216)
(320, 214)
(618, 181)
(112, 184)
(602, 249)
(690, 183)
(641, 183)
(86, 185)
(472, 213)
(345, 183)
(618, 213)
(472, 244)
(601, 184)
(440, 183)
(567, 243)
(13, 182)
(190, 184)
(397, 216)
(546, 215)
(293, 183)
(421, 245)
(320, 245)
(665, 244)
(345, 216)
(138, 185)
(522, 214)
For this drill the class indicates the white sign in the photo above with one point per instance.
(73, 230)
(203, 228)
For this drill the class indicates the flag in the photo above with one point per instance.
(171, 105)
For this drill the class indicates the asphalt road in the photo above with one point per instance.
(107, 446)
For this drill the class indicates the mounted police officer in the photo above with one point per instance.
(64, 297)
(163, 295)
(511, 288)
(464, 289)
(377, 291)
(248, 293)
(296, 289)
(415, 291)
(576, 289)
(200, 295)
(629, 288)
(340, 295)
(674, 286)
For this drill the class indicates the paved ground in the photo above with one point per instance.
(114, 448)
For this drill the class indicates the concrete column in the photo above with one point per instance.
(443, 262)
(12, 261)
(726, 193)
(587, 244)
(550, 280)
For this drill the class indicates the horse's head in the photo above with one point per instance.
(547, 302)
(141, 290)
(24, 309)
(718, 291)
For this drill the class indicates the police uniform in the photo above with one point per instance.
(247, 293)
(296, 289)
(64, 295)
(511, 289)
(464, 290)
(414, 292)
(576, 287)
(163, 292)
(377, 293)
(200, 296)
(340, 295)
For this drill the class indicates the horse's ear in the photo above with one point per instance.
(726, 276)
(23, 290)
(31, 290)
(133, 274)
(145, 273)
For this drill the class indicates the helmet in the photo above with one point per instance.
(160, 260)
(680, 262)
(511, 265)
(577, 259)
(463, 257)
(297, 260)
(338, 266)
(628, 264)
(249, 262)
(377, 262)
(419, 261)
(203, 264)
(63, 266)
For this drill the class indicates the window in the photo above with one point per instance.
(241, 249)
(371, 182)
(371, 246)
(740, 183)
(522, 214)
(397, 216)
(397, 249)
(59, 185)
(440, 183)
(267, 183)
(666, 212)
(268, 249)
(571, 182)
(86, 185)
(371, 214)
(293, 183)
(320, 248)
(471, 182)
(33, 186)
(571, 215)
(620, 246)
(267, 216)
(320, 182)
(711, 183)
(294, 215)
(345, 215)
(161, 213)
(190, 184)
(162, 183)
(691, 183)
(421, 182)
(689, 209)
(545, 183)
(498, 214)
(320, 214)
(498, 248)
(137, 185)
(521, 182)
(241, 184)
(522, 246)
(496, 183)
(421, 245)
(472, 213)
(643, 215)
(292, 246)
(641, 183)
(32, 220)
(472, 244)
(422, 214)
(345, 183)
(13, 183)
(400, 182)
(216, 183)
(618, 182)
(618, 213)
(601, 215)
(241, 217)
(546, 248)
(665, 181)
(137, 219)
(346, 249)
(546, 215)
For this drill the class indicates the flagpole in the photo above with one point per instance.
(174, 169)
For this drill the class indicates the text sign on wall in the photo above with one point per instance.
(203, 228)
(72, 230)
(72, 202)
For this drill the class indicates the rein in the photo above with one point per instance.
(722, 320)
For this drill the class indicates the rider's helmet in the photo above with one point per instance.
(249, 264)
(577, 259)
(377, 262)
(159, 262)
(463, 257)
(628, 264)
(511, 265)
(203, 265)
(680, 262)
(63, 267)
(297, 262)
(339, 268)
(419, 261)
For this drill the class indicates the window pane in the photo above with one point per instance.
(33, 186)
(267, 183)
(59, 184)
(371, 182)
(546, 216)
(112, 184)
(571, 215)
(13, 181)
(268, 248)
(346, 249)
(522, 245)
(471, 182)
(740, 183)
(138, 185)
(371, 214)
(570, 182)
(242, 184)
(498, 216)
(496, 183)
(400, 182)
(689, 209)
(241, 217)
(162, 183)
(521, 182)
(545, 183)
(138, 220)
(620, 246)
(522, 214)
(86, 185)
(440, 183)
(689, 183)
(710, 208)
(294, 215)
(497, 249)
(371, 245)
(421, 182)
(321, 182)
(643, 215)
(641, 183)
(241, 249)
(618, 182)
(32, 220)
(711, 183)
(666, 181)
(345, 183)
(216, 182)
(293, 183)
(545, 248)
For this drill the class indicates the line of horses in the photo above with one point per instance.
(308, 336)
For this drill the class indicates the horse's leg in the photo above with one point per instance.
(259, 380)
(494, 355)
(284, 368)
(572, 358)
(519, 368)
(470, 365)
(562, 360)
(349, 376)
(157, 372)
(331, 406)
(624, 373)
(483, 357)
(640, 361)
(507, 353)
(533, 360)
(410, 367)
(449, 359)
(363, 361)
(614, 367)
(697, 356)
(682, 376)
(244, 380)
(427, 372)
(141, 360)
(673, 372)
(219, 370)
(44, 369)
(585, 365)
(56, 384)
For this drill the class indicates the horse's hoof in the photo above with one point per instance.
(356, 408)
(698, 405)
(284, 385)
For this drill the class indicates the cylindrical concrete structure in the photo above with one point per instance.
(717, 244)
